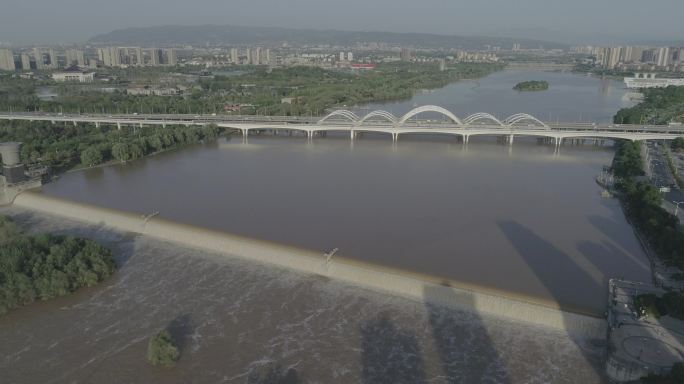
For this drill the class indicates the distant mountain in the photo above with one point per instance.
(228, 34)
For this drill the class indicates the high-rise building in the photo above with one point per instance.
(663, 57)
(115, 54)
(171, 57)
(234, 56)
(405, 54)
(104, 56)
(155, 57)
(611, 57)
(649, 56)
(25, 62)
(265, 57)
(75, 57)
(7, 60)
(139, 60)
(52, 57)
(343, 56)
(253, 55)
(40, 59)
(350, 56)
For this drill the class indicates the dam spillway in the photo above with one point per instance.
(403, 283)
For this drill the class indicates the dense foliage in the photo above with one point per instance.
(660, 106)
(66, 146)
(313, 90)
(678, 144)
(534, 85)
(161, 350)
(45, 266)
(643, 201)
(676, 376)
(671, 304)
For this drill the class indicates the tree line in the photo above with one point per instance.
(643, 200)
(63, 147)
(313, 90)
(660, 106)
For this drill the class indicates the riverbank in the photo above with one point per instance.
(403, 283)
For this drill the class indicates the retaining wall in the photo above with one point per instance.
(400, 282)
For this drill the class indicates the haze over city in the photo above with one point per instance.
(572, 22)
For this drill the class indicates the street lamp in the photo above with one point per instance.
(677, 207)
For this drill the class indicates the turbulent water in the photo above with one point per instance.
(238, 322)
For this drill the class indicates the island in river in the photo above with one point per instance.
(533, 85)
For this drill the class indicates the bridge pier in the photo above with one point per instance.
(465, 139)
(395, 137)
(510, 140)
(118, 126)
(353, 134)
(97, 124)
(75, 123)
(309, 135)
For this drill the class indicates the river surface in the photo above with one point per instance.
(521, 218)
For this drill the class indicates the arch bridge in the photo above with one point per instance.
(477, 124)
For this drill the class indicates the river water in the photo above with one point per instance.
(519, 218)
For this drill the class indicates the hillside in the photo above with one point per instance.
(227, 34)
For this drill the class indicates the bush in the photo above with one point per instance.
(676, 376)
(648, 304)
(161, 351)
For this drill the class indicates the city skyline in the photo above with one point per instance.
(20, 24)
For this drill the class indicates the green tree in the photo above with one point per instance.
(91, 156)
(121, 152)
(678, 144)
(161, 350)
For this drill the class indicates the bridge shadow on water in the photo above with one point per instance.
(465, 350)
(390, 354)
(562, 277)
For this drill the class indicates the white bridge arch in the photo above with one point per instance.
(482, 116)
(349, 115)
(513, 121)
(430, 108)
(521, 117)
(382, 114)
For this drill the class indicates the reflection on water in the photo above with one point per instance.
(425, 204)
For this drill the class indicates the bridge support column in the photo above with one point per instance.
(465, 139)
(395, 137)
(559, 141)
(75, 123)
(353, 135)
(309, 135)
(97, 124)
(141, 125)
(118, 126)
(510, 140)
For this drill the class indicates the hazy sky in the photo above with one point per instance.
(569, 20)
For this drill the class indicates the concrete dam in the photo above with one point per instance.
(425, 288)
